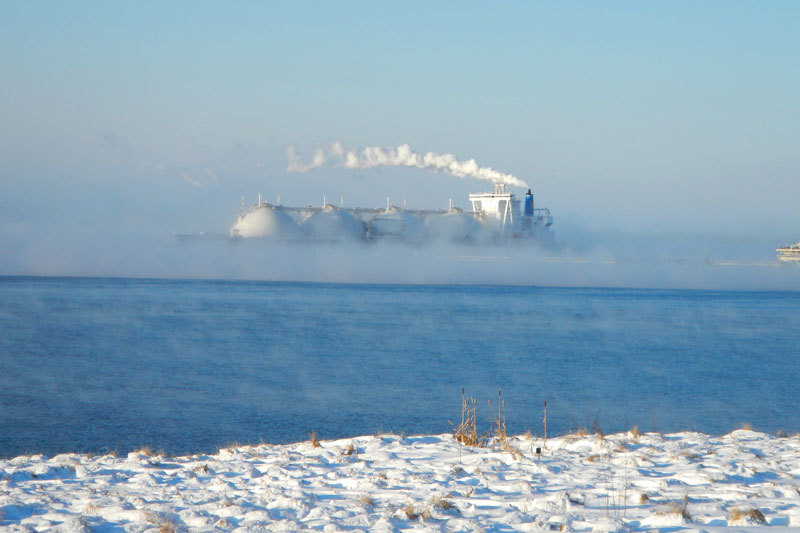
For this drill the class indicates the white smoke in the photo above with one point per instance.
(403, 155)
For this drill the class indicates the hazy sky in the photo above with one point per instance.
(131, 120)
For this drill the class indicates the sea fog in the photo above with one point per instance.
(66, 229)
(579, 259)
(101, 364)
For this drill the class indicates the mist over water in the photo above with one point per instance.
(187, 366)
(627, 263)
(135, 235)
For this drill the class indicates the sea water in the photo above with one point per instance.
(101, 365)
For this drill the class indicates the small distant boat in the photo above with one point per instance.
(789, 254)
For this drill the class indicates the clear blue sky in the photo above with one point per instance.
(156, 117)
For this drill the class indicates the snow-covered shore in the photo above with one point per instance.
(626, 481)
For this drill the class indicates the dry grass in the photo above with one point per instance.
(112, 452)
(231, 447)
(165, 523)
(746, 427)
(366, 501)
(439, 503)
(146, 450)
(635, 433)
(754, 514)
(735, 515)
(643, 498)
(350, 450)
(516, 452)
(410, 513)
(467, 432)
(442, 503)
(314, 440)
(679, 508)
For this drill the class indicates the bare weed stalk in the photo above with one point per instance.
(467, 432)
(679, 508)
(544, 421)
(499, 423)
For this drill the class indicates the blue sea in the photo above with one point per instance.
(97, 365)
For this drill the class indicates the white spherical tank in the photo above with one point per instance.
(266, 222)
(332, 224)
(456, 226)
(397, 224)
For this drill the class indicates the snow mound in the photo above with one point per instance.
(623, 482)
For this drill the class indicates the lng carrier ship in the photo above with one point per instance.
(496, 216)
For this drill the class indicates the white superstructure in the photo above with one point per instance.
(500, 212)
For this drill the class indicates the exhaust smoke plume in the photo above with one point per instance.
(399, 156)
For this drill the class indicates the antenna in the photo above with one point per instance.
(451, 205)
(405, 202)
(388, 205)
(324, 201)
(341, 201)
(279, 199)
(259, 198)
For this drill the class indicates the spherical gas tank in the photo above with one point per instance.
(266, 222)
(456, 226)
(332, 224)
(397, 224)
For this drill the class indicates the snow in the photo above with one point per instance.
(678, 482)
